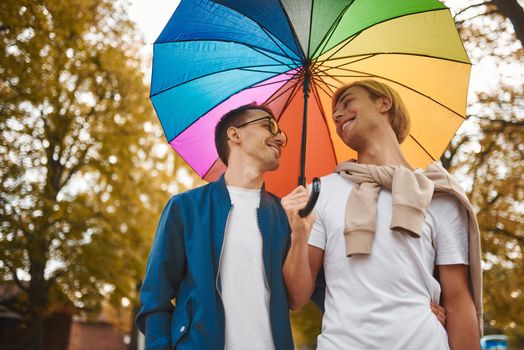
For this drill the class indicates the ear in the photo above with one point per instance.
(233, 135)
(385, 104)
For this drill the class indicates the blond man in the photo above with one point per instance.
(383, 231)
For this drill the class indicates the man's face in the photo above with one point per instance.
(356, 115)
(258, 142)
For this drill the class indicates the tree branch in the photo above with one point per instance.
(52, 279)
(515, 13)
(472, 6)
(479, 161)
(15, 276)
(77, 166)
(494, 199)
(500, 121)
(453, 150)
(508, 234)
(492, 12)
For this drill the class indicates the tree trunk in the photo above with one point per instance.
(512, 10)
(37, 296)
(35, 331)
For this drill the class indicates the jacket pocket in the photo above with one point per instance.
(180, 322)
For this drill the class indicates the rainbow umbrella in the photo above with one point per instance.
(291, 55)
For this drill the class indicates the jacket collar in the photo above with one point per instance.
(222, 194)
(220, 190)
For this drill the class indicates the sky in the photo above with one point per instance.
(151, 16)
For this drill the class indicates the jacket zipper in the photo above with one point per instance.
(263, 264)
(267, 284)
(221, 250)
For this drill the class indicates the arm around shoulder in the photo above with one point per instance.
(164, 272)
(461, 324)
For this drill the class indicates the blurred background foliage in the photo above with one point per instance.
(85, 169)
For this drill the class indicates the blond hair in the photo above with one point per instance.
(398, 114)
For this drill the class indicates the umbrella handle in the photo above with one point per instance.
(315, 192)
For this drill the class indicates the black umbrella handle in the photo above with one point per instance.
(315, 192)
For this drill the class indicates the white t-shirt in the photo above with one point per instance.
(245, 293)
(382, 300)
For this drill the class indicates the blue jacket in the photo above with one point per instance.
(184, 265)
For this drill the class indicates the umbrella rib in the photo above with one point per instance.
(351, 38)
(319, 78)
(285, 64)
(330, 31)
(293, 32)
(319, 103)
(370, 55)
(258, 70)
(254, 47)
(263, 29)
(359, 58)
(306, 54)
(348, 40)
(291, 97)
(322, 71)
(204, 76)
(329, 93)
(225, 99)
(425, 150)
(274, 82)
(398, 83)
(275, 96)
(273, 40)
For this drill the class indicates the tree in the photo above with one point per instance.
(487, 154)
(81, 180)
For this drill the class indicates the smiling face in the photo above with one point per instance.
(258, 143)
(357, 116)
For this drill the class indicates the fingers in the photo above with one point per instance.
(299, 189)
(299, 192)
(440, 312)
(297, 199)
(292, 203)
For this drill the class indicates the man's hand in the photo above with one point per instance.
(440, 312)
(292, 203)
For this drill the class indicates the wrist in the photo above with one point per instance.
(298, 237)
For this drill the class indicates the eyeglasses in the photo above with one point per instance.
(272, 126)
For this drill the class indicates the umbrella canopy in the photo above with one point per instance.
(292, 55)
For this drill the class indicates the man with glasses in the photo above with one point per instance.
(219, 251)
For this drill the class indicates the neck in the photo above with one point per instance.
(383, 150)
(243, 175)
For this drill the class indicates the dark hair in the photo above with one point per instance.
(232, 118)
